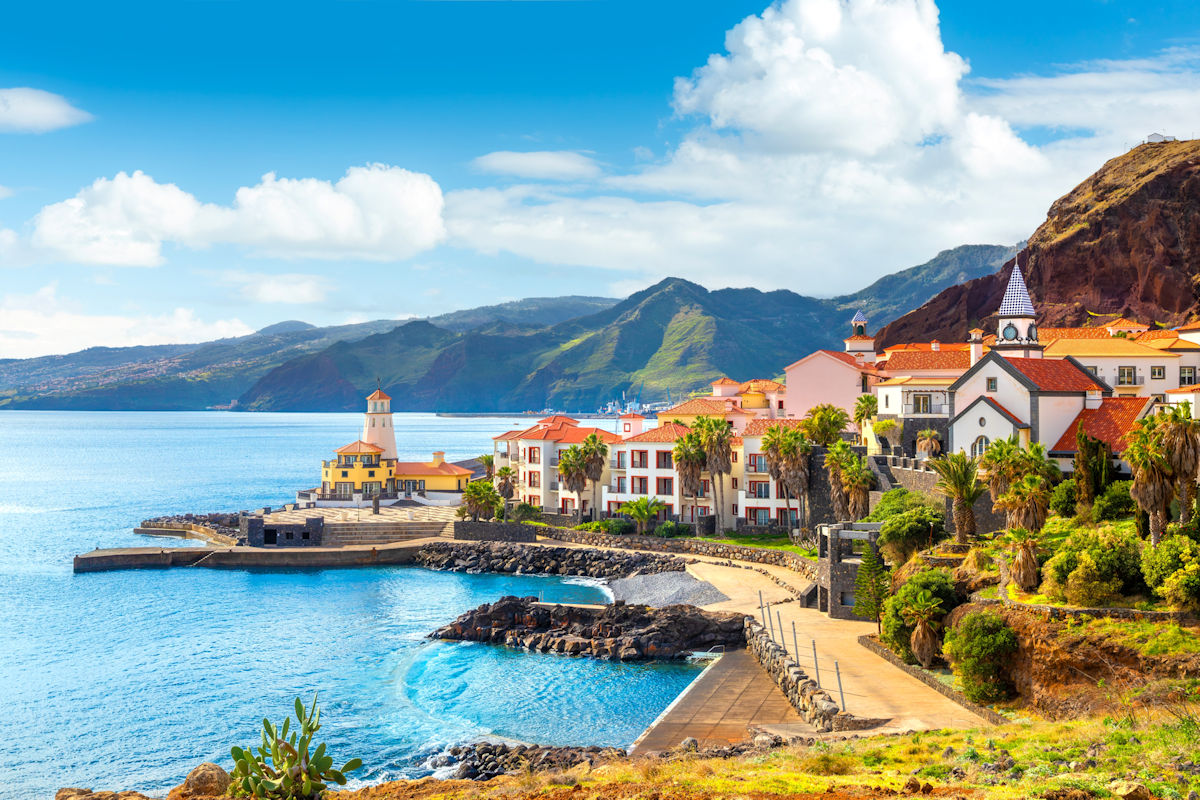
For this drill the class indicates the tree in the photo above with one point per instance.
(1093, 468)
(923, 613)
(824, 424)
(1181, 446)
(774, 442)
(836, 461)
(595, 458)
(857, 480)
(998, 466)
(690, 460)
(1026, 502)
(489, 465)
(506, 485)
(883, 428)
(480, 499)
(871, 587)
(958, 479)
(716, 436)
(642, 511)
(929, 442)
(572, 472)
(796, 450)
(1025, 566)
(1153, 483)
(865, 408)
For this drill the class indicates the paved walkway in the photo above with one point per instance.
(720, 705)
(387, 514)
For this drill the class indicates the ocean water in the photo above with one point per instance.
(128, 679)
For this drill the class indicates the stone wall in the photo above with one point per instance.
(912, 474)
(256, 532)
(562, 520)
(759, 555)
(465, 530)
(517, 559)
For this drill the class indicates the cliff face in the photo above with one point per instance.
(1125, 241)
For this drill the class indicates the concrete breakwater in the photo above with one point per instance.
(503, 557)
(616, 632)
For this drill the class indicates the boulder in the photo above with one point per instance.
(1129, 790)
(206, 780)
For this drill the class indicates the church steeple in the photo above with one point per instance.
(1016, 326)
(860, 344)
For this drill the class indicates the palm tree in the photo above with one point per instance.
(716, 436)
(796, 449)
(836, 461)
(489, 465)
(595, 458)
(773, 444)
(958, 479)
(688, 455)
(922, 613)
(1153, 482)
(858, 480)
(506, 485)
(480, 499)
(1025, 565)
(929, 442)
(1034, 460)
(642, 511)
(998, 465)
(1181, 445)
(824, 424)
(865, 408)
(572, 472)
(1026, 502)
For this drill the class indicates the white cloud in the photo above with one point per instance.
(554, 165)
(289, 288)
(5, 192)
(43, 323)
(25, 110)
(376, 212)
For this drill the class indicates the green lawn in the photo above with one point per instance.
(765, 542)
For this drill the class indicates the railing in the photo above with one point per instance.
(931, 409)
(554, 461)
(1131, 380)
(554, 486)
(756, 467)
(350, 496)
(615, 464)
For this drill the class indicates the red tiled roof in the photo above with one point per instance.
(631, 416)
(1195, 387)
(926, 346)
(1124, 322)
(507, 435)
(1191, 326)
(724, 382)
(557, 419)
(1047, 335)
(667, 432)
(858, 337)
(1011, 416)
(566, 434)
(429, 468)
(1157, 333)
(921, 360)
(1055, 374)
(706, 406)
(378, 394)
(759, 426)
(1110, 423)
(359, 447)
(760, 385)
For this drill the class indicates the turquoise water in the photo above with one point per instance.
(128, 679)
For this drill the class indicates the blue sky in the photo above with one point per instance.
(819, 146)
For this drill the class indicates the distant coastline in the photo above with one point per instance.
(530, 414)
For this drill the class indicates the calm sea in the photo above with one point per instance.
(128, 679)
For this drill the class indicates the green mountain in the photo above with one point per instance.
(195, 376)
(667, 340)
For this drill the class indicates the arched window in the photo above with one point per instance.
(979, 445)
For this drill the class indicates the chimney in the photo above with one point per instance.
(439, 458)
(935, 346)
(976, 340)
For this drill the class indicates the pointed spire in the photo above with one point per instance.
(859, 318)
(1016, 302)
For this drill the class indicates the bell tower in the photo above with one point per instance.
(859, 344)
(377, 423)
(1016, 325)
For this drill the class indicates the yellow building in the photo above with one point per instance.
(358, 468)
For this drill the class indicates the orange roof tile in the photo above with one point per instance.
(724, 382)
(557, 419)
(858, 337)
(566, 434)
(1169, 344)
(1124, 322)
(507, 436)
(921, 360)
(429, 468)
(378, 394)
(1048, 335)
(631, 416)
(667, 432)
(1110, 423)
(1055, 374)
(357, 447)
(1195, 387)
(1191, 326)
(1011, 416)
(1156, 333)
(1110, 347)
(704, 406)
(760, 385)
(759, 426)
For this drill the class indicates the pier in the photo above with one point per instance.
(250, 557)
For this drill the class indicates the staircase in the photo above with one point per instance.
(884, 480)
(341, 534)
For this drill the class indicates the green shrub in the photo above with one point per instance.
(909, 531)
(591, 527)
(897, 501)
(896, 630)
(1172, 554)
(1088, 586)
(669, 529)
(979, 649)
(618, 526)
(1182, 588)
(524, 512)
(1190, 529)
(1115, 563)
(1115, 502)
(1064, 497)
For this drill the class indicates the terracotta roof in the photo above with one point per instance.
(1124, 322)
(566, 434)
(1156, 333)
(557, 419)
(927, 346)
(840, 355)
(631, 416)
(1110, 423)
(424, 468)
(667, 432)
(1048, 335)
(507, 436)
(1011, 416)
(1113, 346)
(1055, 374)
(1191, 326)
(725, 382)
(706, 406)
(920, 360)
(359, 447)
(760, 385)
(1170, 344)
(378, 394)
(759, 426)
(1195, 387)
(915, 381)
(859, 337)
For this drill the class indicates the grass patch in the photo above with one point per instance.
(1147, 637)
(765, 542)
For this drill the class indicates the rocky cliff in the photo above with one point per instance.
(1125, 241)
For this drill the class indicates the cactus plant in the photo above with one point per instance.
(283, 767)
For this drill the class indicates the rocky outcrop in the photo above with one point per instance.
(88, 794)
(521, 560)
(616, 632)
(223, 524)
(1125, 242)
(206, 780)
(485, 760)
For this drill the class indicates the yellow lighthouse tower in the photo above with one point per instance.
(377, 426)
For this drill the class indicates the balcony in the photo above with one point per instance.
(931, 410)
(1131, 380)
(756, 467)
(554, 461)
(615, 464)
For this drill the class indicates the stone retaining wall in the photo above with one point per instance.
(207, 533)
(517, 559)
(467, 531)
(811, 701)
(872, 643)
(760, 555)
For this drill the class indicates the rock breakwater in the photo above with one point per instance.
(616, 632)
(484, 760)
(517, 559)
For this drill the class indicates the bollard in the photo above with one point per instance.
(771, 622)
(816, 666)
(761, 611)
(779, 619)
(840, 692)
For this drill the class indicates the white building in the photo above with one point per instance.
(642, 465)
(533, 455)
